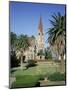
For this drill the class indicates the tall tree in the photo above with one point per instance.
(13, 38)
(57, 35)
(14, 62)
(21, 45)
(22, 42)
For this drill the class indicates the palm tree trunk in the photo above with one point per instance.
(34, 56)
(21, 62)
(62, 64)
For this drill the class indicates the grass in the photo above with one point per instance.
(26, 81)
(41, 68)
(57, 76)
(31, 76)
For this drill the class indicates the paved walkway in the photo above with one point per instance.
(12, 79)
(46, 83)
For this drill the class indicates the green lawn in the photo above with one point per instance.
(26, 81)
(30, 77)
(41, 68)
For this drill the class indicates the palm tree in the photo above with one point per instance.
(21, 45)
(57, 35)
(19, 55)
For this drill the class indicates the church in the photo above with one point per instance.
(37, 48)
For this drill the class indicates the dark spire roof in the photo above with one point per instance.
(40, 28)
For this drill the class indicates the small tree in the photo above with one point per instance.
(48, 54)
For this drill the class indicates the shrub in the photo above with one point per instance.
(31, 63)
(56, 77)
(41, 78)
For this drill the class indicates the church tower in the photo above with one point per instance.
(40, 37)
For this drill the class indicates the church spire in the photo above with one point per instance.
(40, 28)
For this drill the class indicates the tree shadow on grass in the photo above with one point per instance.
(29, 66)
(13, 70)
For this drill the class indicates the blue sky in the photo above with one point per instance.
(24, 17)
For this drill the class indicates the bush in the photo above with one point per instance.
(31, 63)
(56, 77)
(41, 78)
